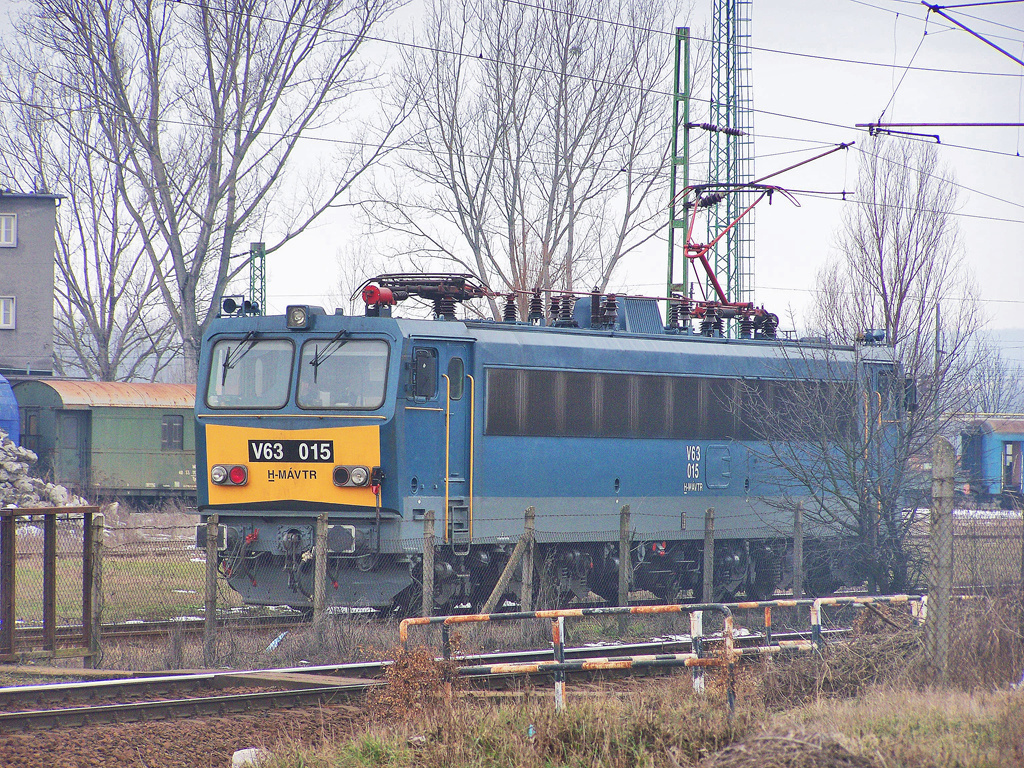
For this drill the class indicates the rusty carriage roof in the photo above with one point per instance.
(92, 394)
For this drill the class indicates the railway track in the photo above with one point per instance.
(160, 628)
(41, 707)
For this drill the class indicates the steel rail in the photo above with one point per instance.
(141, 711)
(122, 630)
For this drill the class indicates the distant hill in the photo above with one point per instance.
(1011, 343)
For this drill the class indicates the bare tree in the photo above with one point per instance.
(996, 385)
(900, 270)
(539, 145)
(202, 106)
(109, 322)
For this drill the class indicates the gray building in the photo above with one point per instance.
(27, 226)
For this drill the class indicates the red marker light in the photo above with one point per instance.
(237, 475)
(373, 294)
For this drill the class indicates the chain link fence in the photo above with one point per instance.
(986, 641)
(152, 571)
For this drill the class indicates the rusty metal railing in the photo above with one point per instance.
(697, 659)
(558, 666)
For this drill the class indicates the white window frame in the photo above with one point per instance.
(8, 317)
(8, 230)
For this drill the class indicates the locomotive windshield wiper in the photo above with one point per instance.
(319, 357)
(230, 362)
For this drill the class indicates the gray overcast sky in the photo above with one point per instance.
(817, 102)
(791, 242)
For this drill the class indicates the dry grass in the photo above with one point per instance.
(661, 724)
(863, 704)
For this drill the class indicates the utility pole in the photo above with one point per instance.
(680, 100)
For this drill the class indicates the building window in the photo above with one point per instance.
(172, 433)
(8, 230)
(6, 311)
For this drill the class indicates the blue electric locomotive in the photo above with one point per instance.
(582, 408)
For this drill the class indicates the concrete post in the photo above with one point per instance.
(427, 606)
(210, 624)
(940, 560)
(320, 568)
(798, 551)
(625, 565)
(708, 593)
(530, 529)
(93, 582)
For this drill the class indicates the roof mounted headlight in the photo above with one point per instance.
(297, 316)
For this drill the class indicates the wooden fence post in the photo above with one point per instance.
(320, 568)
(798, 551)
(210, 622)
(940, 560)
(427, 608)
(529, 528)
(708, 593)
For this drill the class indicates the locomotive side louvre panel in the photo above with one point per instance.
(551, 403)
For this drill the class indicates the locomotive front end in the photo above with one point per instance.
(289, 418)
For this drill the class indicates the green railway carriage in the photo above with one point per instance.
(111, 439)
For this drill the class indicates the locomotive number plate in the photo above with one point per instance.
(291, 450)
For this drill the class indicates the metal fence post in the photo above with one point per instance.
(558, 642)
(798, 551)
(530, 529)
(320, 568)
(7, 561)
(625, 565)
(697, 646)
(940, 560)
(93, 526)
(210, 622)
(709, 555)
(427, 608)
(50, 582)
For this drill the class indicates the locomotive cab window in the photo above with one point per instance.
(351, 374)
(456, 377)
(250, 373)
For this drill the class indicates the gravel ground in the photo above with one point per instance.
(187, 743)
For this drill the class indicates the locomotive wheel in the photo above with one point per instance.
(819, 582)
(764, 574)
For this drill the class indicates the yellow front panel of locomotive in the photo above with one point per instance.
(291, 480)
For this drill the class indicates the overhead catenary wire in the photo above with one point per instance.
(653, 91)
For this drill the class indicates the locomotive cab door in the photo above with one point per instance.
(440, 431)
(458, 388)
